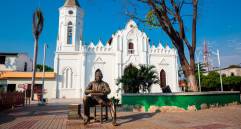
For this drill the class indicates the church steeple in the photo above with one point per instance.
(70, 26)
(71, 3)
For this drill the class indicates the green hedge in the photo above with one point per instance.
(182, 100)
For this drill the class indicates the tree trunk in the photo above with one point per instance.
(165, 13)
(34, 67)
(188, 70)
(192, 82)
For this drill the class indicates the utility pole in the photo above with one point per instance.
(199, 78)
(219, 64)
(43, 77)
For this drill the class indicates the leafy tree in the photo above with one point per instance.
(148, 77)
(211, 81)
(130, 80)
(232, 83)
(168, 16)
(39, 68)
(135, 79)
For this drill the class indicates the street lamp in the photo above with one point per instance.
(43, 77)
(199, 78)
(219, 65)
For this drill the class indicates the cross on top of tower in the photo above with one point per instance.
(71, 3)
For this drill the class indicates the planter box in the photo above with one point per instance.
(182, 100)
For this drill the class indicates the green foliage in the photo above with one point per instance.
(152, 19)
(201, 67)
(232, 82)
(147, 76)
(135, 79)
(39, 68)
(212, 82)
(130, 80)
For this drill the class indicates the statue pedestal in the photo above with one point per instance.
(74, 111)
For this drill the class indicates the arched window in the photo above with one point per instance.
(162, 78)
(232, 74)
(69, 33)
(130, 48)
(67, 78)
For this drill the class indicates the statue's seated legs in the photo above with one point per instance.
(91, 101)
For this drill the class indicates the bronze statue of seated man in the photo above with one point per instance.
(98, 90)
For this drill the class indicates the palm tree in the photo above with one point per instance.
(135, 79)
(148, 77)
(38, 21)
(130, 80)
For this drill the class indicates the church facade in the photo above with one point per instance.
(75, 62)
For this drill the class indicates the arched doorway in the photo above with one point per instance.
(162, 78)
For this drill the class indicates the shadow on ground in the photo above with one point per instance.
(134, 117)
(4, 118)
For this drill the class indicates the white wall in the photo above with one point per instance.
(165, 59)
(10, 63)
(49, 85)
(21, 60)
(16, 63)
(71, 61)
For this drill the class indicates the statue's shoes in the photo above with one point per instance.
(86, 120)
(114, 124)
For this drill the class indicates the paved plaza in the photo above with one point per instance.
(54, 116)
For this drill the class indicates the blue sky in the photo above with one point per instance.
(219, 22)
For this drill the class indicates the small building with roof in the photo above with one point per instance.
(15, 62)
(16, 75)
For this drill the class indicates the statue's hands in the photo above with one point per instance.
(97, 93)
(89, 92)
(93, 92)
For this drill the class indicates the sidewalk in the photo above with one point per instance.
(54, 116)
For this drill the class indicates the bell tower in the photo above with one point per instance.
(70, 27)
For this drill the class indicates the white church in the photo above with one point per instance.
(76, 62)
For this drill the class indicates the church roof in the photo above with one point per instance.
(131, 24)
(13, 74)
(71, 3)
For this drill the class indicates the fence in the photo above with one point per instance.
(11, 99)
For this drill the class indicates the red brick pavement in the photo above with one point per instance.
(55, 117)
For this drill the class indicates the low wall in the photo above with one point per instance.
(182, 100)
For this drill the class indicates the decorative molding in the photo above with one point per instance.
(99, 60)
(132, 59)
(163, 62)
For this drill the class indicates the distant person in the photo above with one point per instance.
(166, 89)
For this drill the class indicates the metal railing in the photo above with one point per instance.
(11, 100)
